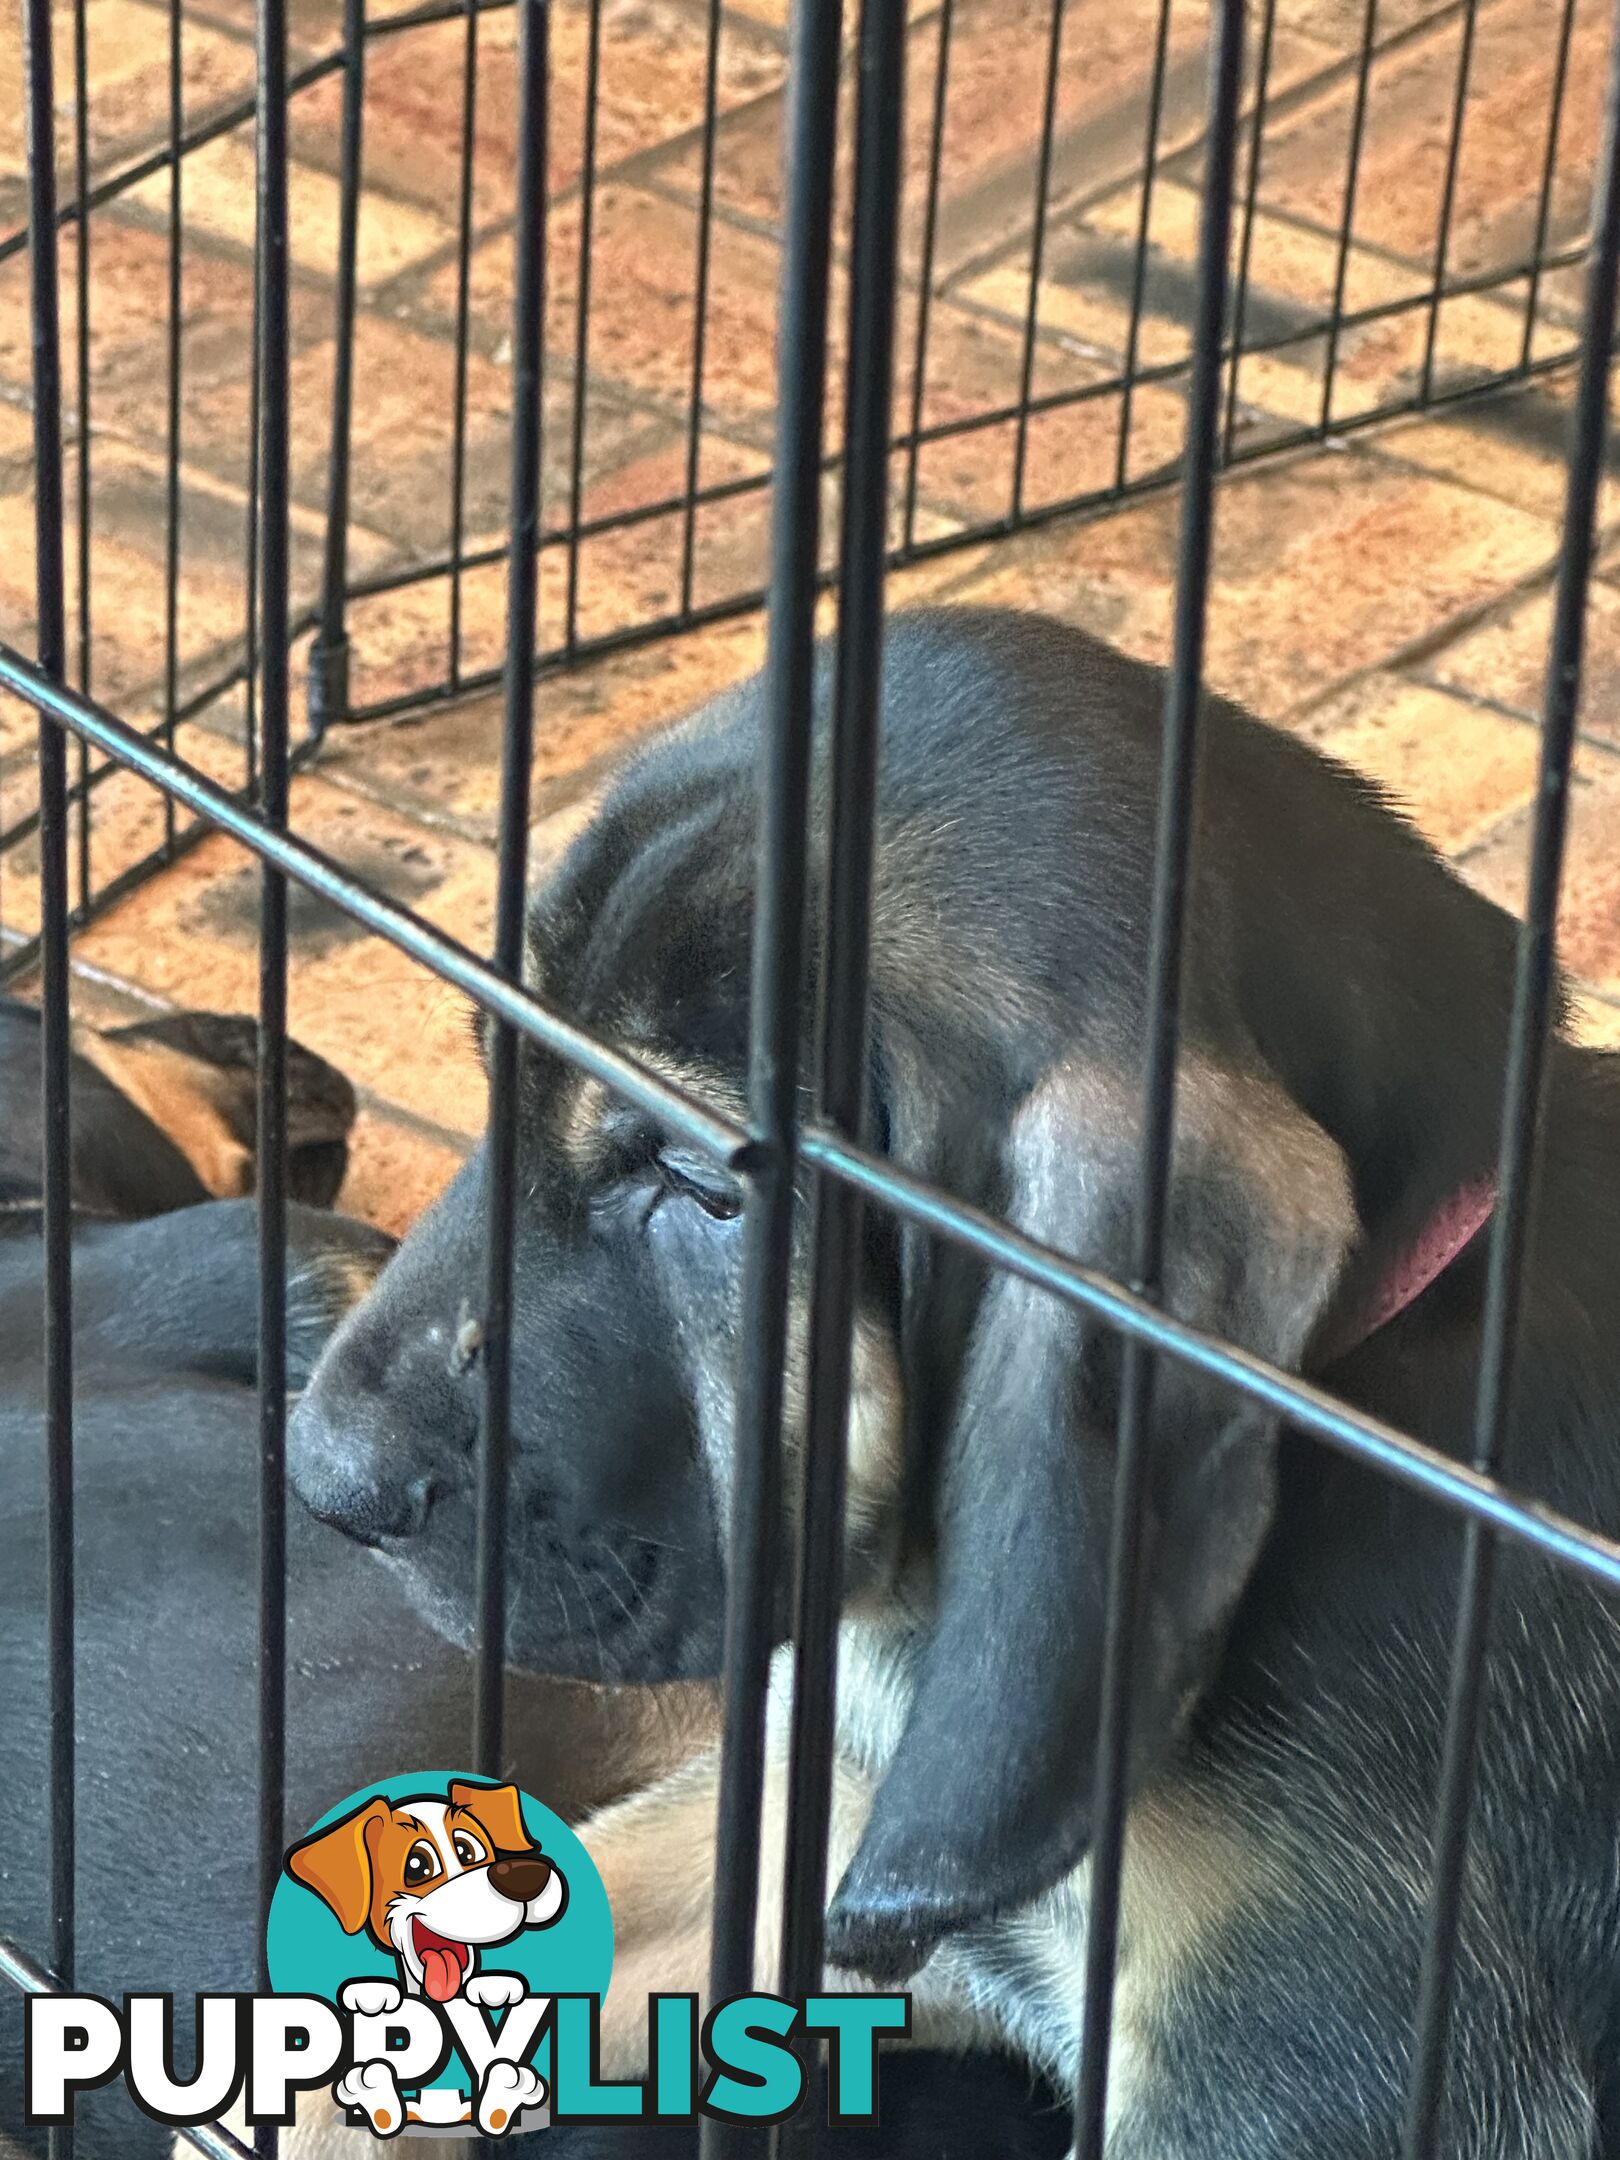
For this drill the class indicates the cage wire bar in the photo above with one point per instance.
(1534, 1002)
(272, 368)
(329, 653)
(517, 756)
(195, 688)
(57, 1225)
(775, 1014)
(1178, 779)
(843, 1062)
(781, 1141)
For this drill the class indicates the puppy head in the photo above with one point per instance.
(627, 1279)
(1012, 889)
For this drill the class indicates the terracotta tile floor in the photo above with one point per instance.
(1386, 595)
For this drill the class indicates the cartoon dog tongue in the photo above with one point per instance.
(443, 1963)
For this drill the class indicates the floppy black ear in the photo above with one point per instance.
(988, 1798)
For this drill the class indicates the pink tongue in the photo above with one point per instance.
(441, 1973)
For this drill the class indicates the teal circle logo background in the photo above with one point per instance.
(309, 1954)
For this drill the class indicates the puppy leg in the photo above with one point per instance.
(655, 1853)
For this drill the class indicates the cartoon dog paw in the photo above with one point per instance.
(370, 1998)
(508, 2089)
(494, 1990)
(370, 2087)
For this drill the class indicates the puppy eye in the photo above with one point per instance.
(468, 1850)
(716, 1193)
(421, 1864)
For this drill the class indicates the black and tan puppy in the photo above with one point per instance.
(165, 1296)
(163, 1114)
(1337, 1114)
(165, 1285)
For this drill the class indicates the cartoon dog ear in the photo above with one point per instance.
(336, 1864)
(500, 1809)
(988, 1798)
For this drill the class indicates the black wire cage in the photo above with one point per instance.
(1326, 330)
(872, 452)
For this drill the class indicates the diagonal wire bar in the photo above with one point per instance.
(1037, 252)
(1347, 211)
(700, 305)
(329, 653)
(1251, 204)
(582, 325)
(1549, 175)
(925, 267)
(82, 473)
(1448, 197)
(463, 330)
(174, 345)
(1312, 1409)
(1144, 237)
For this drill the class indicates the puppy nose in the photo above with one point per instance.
(353, 1484)
(376, 1430)
(520, 1876)
(354, 1479)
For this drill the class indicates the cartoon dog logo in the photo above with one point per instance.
(435, 1881)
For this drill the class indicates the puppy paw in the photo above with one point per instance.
(508, 2089)
(370, 1998)
(494, 1990)
(370, 2087)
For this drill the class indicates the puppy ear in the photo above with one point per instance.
(336, 1864)
(195, 1073)
(988, 1798)
(500, 1809)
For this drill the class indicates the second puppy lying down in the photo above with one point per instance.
(165, 1311)
(166, 1481)
(163, 1113)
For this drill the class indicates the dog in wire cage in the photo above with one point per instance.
(165, 1296)
(1338, 1108)
(1338, 1112)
